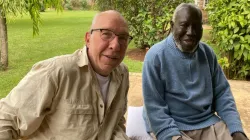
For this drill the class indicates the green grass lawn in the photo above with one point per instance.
(60, 33)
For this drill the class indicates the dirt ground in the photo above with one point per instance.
(240, 89)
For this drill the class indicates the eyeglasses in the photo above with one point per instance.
(108, 35)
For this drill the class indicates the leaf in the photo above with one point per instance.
(236, 53)
(242, 23)
(247, 47)
(245, 53)
(234, 36)
(237, 47)
(245, 13)
(242, 38)
(247, 37)
(239, 56)
(233, 24)
(236, 29)
(231, 41)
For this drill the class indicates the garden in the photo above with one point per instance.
(44, 30)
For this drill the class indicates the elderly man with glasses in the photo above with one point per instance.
(81, 96)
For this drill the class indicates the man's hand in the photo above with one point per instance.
(238, 136)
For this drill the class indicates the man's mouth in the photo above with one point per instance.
(189, 41)
(111, 57)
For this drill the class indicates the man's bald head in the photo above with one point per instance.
(108, 15)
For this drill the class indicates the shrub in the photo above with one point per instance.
(84, 4)
(42, 6)
(230, 20)
(76, 4)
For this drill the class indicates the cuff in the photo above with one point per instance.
(235, 128)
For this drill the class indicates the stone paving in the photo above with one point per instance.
(240, 89)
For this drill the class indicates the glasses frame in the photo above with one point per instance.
(101, 29)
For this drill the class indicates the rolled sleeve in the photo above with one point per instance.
(23, 109)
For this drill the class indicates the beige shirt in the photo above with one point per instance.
(60, 99)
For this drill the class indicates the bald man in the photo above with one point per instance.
(81, 96)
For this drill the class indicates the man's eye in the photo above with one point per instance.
(107, 34)
(183, 25)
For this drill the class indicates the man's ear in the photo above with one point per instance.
(87, 38)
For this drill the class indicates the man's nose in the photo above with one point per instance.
(190, 30)
(114, 44)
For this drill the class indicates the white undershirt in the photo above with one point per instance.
(104, 84)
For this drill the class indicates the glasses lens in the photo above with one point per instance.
(107, 35)
(123, 39)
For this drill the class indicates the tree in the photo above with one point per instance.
(149, 20)
(231, 33)
(19, 7)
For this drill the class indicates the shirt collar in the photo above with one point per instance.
(83, 59)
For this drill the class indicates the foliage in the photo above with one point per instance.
(42, 6)
(76, 4)
(149, 20)
(14, 8)
(230, 20)
(223, 62)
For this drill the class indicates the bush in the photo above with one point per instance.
(76, 4)
(42, 6)
(84, 4)
(231, 33)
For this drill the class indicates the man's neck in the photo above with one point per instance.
(178, 45)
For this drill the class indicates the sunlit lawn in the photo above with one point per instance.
(60, 33)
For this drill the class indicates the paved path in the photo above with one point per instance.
(240, 89)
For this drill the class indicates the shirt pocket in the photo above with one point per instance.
(73, 114)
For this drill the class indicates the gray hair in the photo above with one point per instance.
(185, 5)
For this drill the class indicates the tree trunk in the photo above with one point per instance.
(4, 42)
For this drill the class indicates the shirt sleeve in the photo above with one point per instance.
(23, 109)
(156, 108)
(224, 101)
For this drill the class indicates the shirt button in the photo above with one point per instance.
(101, 105)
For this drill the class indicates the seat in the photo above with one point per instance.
(135, 126)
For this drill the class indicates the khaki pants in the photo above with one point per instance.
(218, 131)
